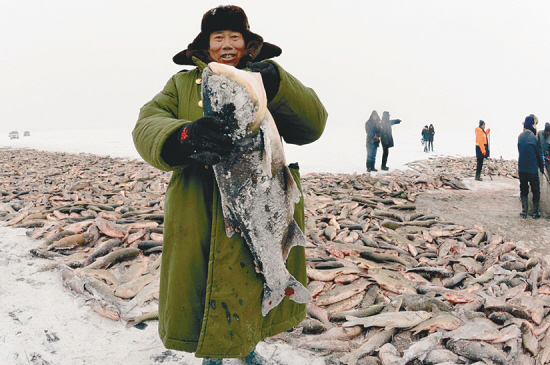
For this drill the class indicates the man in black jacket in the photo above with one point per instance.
(386, 136)
(529, 164)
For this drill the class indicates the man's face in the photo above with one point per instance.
(547, 132)
(226, 46)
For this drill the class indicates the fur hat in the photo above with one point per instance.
(226, 17)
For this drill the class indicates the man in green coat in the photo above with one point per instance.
(210, 293)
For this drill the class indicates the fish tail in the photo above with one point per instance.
(351, 321)
(294, 290)
(295, 237)
(271, 299)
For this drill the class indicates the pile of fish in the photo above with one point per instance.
(390, 285)
(444, 168)
(395, 286)
(98, 219)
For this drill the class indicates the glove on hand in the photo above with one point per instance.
(206, 139)
(270, 77)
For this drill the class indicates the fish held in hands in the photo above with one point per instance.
(258, 192)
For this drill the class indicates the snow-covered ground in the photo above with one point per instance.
(42, 323)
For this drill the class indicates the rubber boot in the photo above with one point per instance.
(212, 361)
(536, 210)
(372, 167)
(524, 207)
(254, 358)
(384, 162)
(369, 168)
(478, 178)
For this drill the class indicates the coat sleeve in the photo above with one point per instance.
(299, 114)
(154, 134)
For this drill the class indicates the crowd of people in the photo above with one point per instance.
(533, 149)
(533, 157)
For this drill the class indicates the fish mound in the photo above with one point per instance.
(390, 285)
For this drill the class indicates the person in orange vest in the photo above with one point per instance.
(482, 147)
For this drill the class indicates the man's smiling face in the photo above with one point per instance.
(226, 46)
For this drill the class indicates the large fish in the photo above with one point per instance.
(258, 192)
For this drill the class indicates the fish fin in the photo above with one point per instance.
(229, 230)
(291, 187)
(294, 237)
(267, 153)
(230, 223)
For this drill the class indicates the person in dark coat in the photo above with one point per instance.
(431, 133)
(543, 137)
(529, 164)
(424, 134)
(372, 128)
(482, 147)
(386, 137)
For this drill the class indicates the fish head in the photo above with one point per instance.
(234, 95)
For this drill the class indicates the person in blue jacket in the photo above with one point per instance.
(529, 164)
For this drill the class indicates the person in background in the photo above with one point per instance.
(482, 147)
(372, 128)
(210, 294)
(431, 133)
(529, 164)
(386, 137)
(424, 134)
(543, 137)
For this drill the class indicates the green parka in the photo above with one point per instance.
(210, 294)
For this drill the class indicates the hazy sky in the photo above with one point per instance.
(78, 64)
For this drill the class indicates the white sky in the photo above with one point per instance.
(80, 64)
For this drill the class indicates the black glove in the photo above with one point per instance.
(270, 77)
(206, 139)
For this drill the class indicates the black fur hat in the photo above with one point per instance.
(226, 17)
